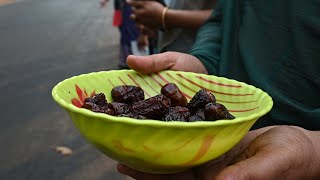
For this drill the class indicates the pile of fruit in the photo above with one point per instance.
(170, 105)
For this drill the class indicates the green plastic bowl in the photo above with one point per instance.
(155, 146)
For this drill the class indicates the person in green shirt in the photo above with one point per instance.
(273, 45)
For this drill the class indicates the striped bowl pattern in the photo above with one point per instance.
(155, 146)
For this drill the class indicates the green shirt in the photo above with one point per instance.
(273, 45)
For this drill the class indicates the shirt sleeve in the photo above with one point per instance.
(208, 42)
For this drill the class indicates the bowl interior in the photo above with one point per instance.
(241, 99)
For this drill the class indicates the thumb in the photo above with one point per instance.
(153, 63)
(256, 167)
(265, 158)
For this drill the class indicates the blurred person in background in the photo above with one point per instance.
(176, 21)
(275, 46)
(132, 41)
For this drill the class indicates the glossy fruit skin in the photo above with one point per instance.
(98, 99)
(174, 94)
(170, 105)
(177, 113)
(153, 107)
(216, 111)
(98, 103)
(200, 99)
(127, 94)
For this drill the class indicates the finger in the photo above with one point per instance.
(133, 9)
(142, 41)
(139, 13)
(135, 4)
(241, 149)
(133, 17)
(147, 31)
(236, 154)
(261, 160)
(123, 169)
(140, 26)
(256, 167)
(215, 167)
(151, 64)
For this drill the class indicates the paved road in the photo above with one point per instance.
(41, 43)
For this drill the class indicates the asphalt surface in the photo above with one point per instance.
(41, 43)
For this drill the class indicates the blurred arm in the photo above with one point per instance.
(190, 19)
(208, 42)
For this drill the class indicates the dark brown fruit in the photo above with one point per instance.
(102, 109)
(127, 94)
(200, 99)
(97, 103)
(99, 99)
(174, 94)
(88, 104)
(216, 111)
(135, 116)
(170, 105)
(197, 116)
(119, 108)
(177, 113)
(153, 108)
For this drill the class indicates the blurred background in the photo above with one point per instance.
(43, 42)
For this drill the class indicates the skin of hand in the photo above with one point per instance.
(146, 31)
(147, 13)
(279, 152)
(142, 40)
(166, 61)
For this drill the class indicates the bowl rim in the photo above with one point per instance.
(157, 123)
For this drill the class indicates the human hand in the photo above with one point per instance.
(282, 152)
(166, 61)
(147, 13)
(142, 40)
(146, 31)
